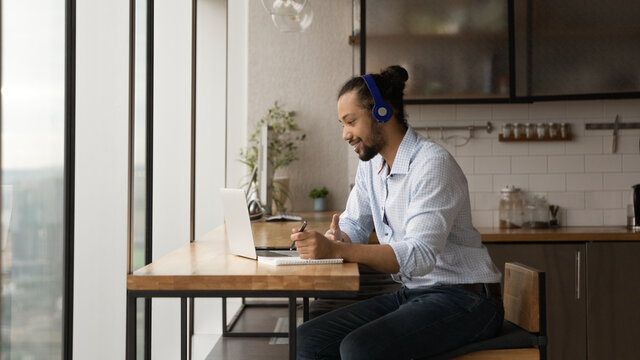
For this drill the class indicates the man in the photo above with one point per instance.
(415, 196)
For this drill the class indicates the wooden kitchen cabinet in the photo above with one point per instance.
(613, 300)
(564, 265)
(593, 295)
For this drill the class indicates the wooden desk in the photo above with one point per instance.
(204, 268)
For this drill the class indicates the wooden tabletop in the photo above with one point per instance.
(207, 265)
(560, 234)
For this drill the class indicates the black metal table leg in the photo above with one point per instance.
(292, 328)
(131, 326)
(183, 328)
(305, 309)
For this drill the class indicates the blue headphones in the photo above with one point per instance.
(381, 110)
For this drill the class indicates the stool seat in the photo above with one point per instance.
(511, 337)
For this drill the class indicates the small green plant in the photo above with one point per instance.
(319, 193)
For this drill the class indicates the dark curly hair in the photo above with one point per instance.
(391, 82)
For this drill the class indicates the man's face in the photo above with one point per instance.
(358, 127)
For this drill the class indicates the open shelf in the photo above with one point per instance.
(535, 137)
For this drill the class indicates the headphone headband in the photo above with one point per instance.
(381, 110)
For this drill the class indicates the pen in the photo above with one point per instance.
(293, 243)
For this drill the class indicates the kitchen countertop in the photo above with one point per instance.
(278, 232)
(569, 234)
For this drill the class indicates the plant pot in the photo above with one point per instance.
(280, 195)
(320, 204)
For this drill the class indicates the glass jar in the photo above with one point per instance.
(511, 208)
(536, 214)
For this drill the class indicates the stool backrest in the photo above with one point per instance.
(524, 297)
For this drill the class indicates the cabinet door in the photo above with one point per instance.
(455, 49)
(566, 306)
(582, 47)
(613, 300)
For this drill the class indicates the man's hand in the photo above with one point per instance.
(334, 232)
(313, 245)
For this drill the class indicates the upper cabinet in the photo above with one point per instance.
(504, 50)
(581, 47)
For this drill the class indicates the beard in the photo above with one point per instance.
(377, 140)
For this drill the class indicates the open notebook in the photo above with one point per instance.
(240, 236)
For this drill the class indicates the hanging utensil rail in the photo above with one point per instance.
(471, 128)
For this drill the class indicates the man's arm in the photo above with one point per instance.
(313, 245)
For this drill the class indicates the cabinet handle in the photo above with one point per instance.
(578, 256)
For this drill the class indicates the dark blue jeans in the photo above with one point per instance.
(406, 324)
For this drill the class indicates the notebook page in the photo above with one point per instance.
(295, 260)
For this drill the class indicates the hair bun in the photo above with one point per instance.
(396, 74)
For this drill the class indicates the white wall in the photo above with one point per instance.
(171, 157)
(211, 102)
(591, 184)
(100, 253)
(304, 72)
(237, 84)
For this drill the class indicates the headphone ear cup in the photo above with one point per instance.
(381, 110)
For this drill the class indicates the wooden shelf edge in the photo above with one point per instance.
(535, 138)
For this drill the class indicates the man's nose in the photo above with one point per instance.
(346, 135)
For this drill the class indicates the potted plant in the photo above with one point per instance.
(281, 149)
(319, 196)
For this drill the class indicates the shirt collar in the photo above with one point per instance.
(405, 152)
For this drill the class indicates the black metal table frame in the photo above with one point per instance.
(292, 295)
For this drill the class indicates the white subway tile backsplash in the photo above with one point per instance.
(567, 200)
(631, 162)
(478, 183)
(593, 217)
(492, 165)
(547, 182)
(510, 148)
(466, 164)
(482, 218)
(413, 113)
(615, 217)
(623, 107)
(430, 113)
(621, 181)
(566, 164)
(487, 201)
(547, 110)
(603, 163)
(519, 181)
(603, 200)
(474, 112)
(584, 145)
(511, 112)
(627, 144)
(547, 148)
(475, 147)
(584, 182)
(582, 109)
(591, 184)
(528, 164)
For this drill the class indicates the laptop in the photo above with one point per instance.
(240, 235)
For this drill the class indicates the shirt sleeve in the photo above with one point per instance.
(357, 221)
(435, 197)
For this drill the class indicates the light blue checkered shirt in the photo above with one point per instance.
(422, 210)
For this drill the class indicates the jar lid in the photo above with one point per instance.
(509, 188)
